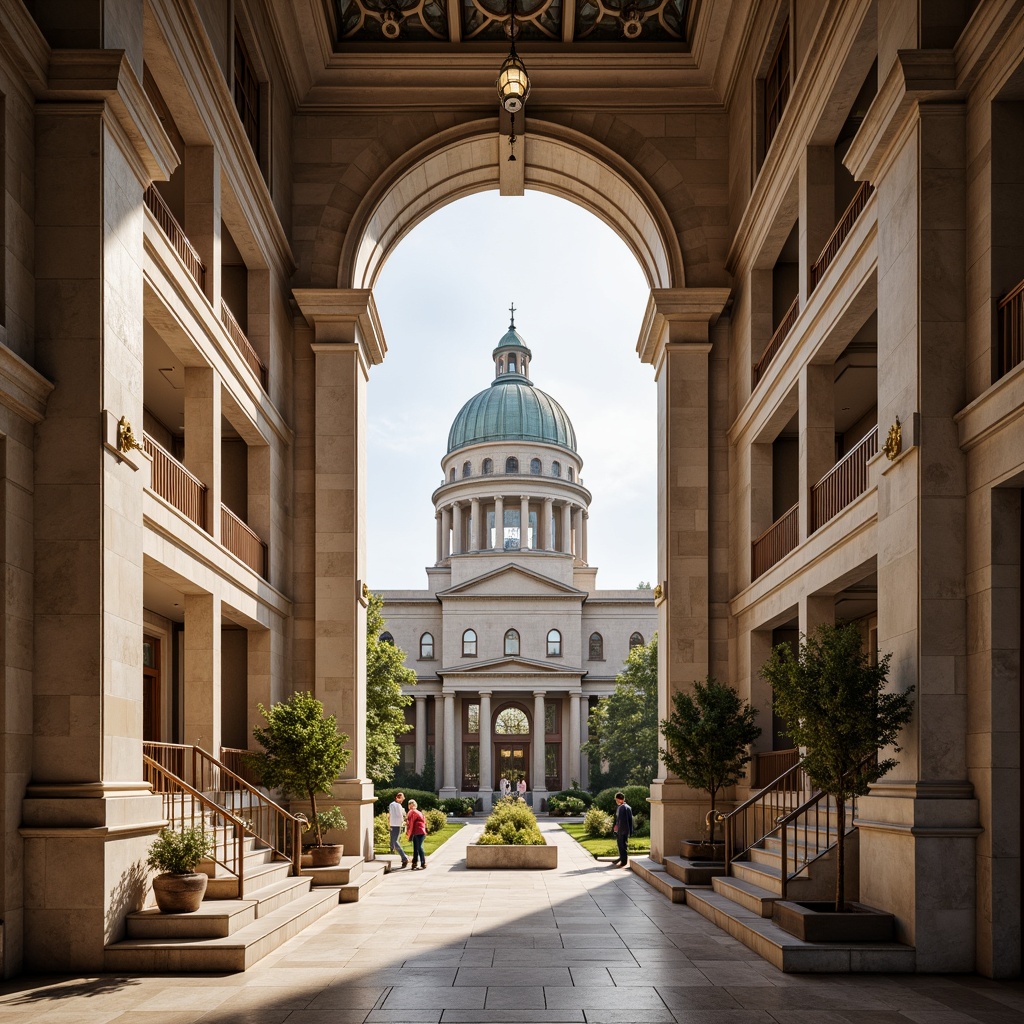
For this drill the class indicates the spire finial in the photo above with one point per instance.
(512, 317)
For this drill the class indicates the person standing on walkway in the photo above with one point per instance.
(416, 830)
(396, 818)
(623, 829)
(506, 788)
(522, 789)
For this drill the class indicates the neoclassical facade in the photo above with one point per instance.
(199, 195)
(512, 642)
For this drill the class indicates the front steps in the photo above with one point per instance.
(353, 877)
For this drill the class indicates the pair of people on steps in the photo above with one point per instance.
(415, 829)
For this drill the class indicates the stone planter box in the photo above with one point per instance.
(695, 849)
(818, 922)
(499, 857)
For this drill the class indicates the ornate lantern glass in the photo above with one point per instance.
(513, 83)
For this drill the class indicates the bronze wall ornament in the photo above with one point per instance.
(894, 441)
(126, 439)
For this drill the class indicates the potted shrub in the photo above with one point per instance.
(832, 696)
(179, 888)
(303, 754)
(511, 839)
(708, 736)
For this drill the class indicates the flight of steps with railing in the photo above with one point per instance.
(258, 895)
(780, 845)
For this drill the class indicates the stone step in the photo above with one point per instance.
(746, 894)
(693, 872)
(371, 876)
(254, 857)
(805, 886)
(347, 871)
(214, 919)
(256, 877)
(655, 875)
(234, 952)
(793, 955)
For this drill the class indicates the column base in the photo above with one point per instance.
(540, 797)
(677, 813)
(447, 792)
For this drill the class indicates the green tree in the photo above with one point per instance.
(833, 698)
(624, 726)
(708, 736)
(385, 674)
(303, 752)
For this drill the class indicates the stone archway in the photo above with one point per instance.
(346, 340)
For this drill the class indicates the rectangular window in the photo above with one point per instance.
(470, 765)
(776, 87)
(247, 94)
(552, 721)
(473, 718)
(511, 533)
(553, 766)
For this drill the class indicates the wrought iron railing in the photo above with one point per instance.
(175, 235)
(240, 540)
(846, 480)
(253, 810)
(1011, 329)
(175, 484)
(761, 366)
(775, 543)
(770, 764)
(842, 229)
(242, 343)
(237, 760)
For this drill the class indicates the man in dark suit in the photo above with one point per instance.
(623, 829)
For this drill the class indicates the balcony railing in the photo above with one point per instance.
(1011, 329)
(175, 235)
(243, 344)
(776, 343)
(842, 229)
(775, 543)
(771, 764)
(846, 480)
(241, 541)
(175, 484)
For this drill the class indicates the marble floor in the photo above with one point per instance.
(585, 943)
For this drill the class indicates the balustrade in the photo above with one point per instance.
(842, 229)
(846, 480)
(1011, 329)
(175, 234)
(175, 484)
(244, 346)
(775, 543)
(240, 540)
(761, 366)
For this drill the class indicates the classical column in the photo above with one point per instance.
(817, 435)
(446, 532)
(202, 209)
(499, 523)
(583, 545)
(202, 438)
(449, 788)
(547, 542)
(566, 546)
(438, 740)
(474, 525)
(456, 528)
(202, 718)
(486, 745)
(437, 520)
(577, 546)
(574, 740)
(421, 733)
(524, 522)
(584, 738)
(538, 782)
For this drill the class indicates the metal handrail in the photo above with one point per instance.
(264, 819)
(773, 346)
(228, 831)
(831, 248)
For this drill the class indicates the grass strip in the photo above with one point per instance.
(606, 846)
(430, 843)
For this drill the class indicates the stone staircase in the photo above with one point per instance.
(238, 923)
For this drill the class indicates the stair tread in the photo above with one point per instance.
(750, 888)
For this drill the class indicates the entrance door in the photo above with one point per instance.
(511, 761)
(151, 689)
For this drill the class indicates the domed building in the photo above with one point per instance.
(511, 642)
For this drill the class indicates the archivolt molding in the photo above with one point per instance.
(464, 160)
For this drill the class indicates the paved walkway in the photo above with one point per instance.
(585, 943)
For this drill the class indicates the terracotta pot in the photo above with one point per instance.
(697, 849)
(326, 856)
(179, 894)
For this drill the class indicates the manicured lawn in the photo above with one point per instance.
(606, 847)
(431, 843)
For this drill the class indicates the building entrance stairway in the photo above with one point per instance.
(259, 894)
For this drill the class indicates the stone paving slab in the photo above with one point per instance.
(579, 945)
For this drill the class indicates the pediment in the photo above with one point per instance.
(512, 580)
(509, 667)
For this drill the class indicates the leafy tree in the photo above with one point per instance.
(303, 752)
(831, 695)
(643, 585)
(385, 674)
(708, 735)
(624, 726)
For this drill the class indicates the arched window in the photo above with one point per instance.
(467, 469)
(451, 475)
(427, 647)
(535, 467)
(511, 644)
(554, 643)
(488, 467)
(571, 473)
(556, 469)
(511, 464)
(511, 364)
(636, 640)
(386, 638)
(469, 643)
(596, 647)
(512, 722)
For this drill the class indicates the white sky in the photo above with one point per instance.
(443, 298)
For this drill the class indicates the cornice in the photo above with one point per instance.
(25, 44)
(985, 31)
(334, 312)
(679, 316)
(23, 389)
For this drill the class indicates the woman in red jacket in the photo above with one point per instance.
(416, 829)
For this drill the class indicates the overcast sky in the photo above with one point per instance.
(443, 298)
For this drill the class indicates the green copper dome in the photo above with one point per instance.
(511, 409)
